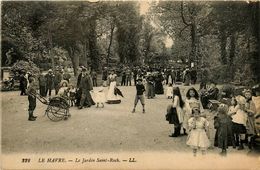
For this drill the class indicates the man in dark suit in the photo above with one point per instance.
(85, 86)
(50, 81)
(42, 84)
(23, 84)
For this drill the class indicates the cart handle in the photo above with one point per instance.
(39, 97)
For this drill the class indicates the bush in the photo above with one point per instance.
(25, 66)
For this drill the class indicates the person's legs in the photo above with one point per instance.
(32, 106)
(82, 99)
(49, 89)
(142, 102)
(194, 151)
(56, 89)
(241, 141)
(135, 103)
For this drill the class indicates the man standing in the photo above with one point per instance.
(50, 81)
(128, 77)
(57, 80)
(104, 76)
(94, 77)
(23, 84)
(42, 84)
(85, 87)
(123, 77)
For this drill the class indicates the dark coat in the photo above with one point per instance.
(57, 79)
(172, 116)
(42, 80)
(23, 82)
(223, 125)
(79, 80)
(85, 83)
(50, 81)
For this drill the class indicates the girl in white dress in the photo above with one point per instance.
(192, 101)
(169, 91)
(198, 138)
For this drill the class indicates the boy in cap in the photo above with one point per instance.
(140, 89)
(31, 98)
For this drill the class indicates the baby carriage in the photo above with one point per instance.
(58, 107)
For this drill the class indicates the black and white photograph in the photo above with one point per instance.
(130, 84)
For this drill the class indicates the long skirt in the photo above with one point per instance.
(150, 90)
(159, 88)
(111, 97)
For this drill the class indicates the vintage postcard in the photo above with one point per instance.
(130, 85)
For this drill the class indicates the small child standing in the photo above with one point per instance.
(31, 98)
(72, 94)
(100, 97)
(198, 138)
(239, 119)
(223, 124)
(169, 91)
(139, 94)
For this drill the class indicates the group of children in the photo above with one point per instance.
(234, 124)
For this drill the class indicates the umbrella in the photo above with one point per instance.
(118, 92)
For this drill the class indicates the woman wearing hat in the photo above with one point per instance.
(112, 98)
(250, 109)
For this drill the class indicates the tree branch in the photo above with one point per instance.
(180, 34)
(182, 16)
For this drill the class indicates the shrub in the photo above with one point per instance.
(25, 66)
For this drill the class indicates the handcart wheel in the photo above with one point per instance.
(55, 114)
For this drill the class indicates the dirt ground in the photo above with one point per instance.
(110, 129)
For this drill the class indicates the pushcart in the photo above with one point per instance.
(58, 107)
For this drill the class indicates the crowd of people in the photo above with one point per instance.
(233, 121)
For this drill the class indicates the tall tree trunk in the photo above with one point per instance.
(51, 47)
(93, 48)
(193, 53)
(110, 42)
(232, 53)
(75, 60)
(85, 57)
(223, 45)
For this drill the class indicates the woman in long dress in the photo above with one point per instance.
(158, 83)
(112, 98)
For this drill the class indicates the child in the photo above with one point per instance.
(169, 91)
(31, 98)
(100, 97)
(192, 100)
(139, 94)
(64, 90)
(177, 111)
(239, 119)
(223, 124)
(72, 94)
(232, 110)
(198, 138)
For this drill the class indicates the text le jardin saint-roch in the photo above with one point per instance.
(83, 160)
